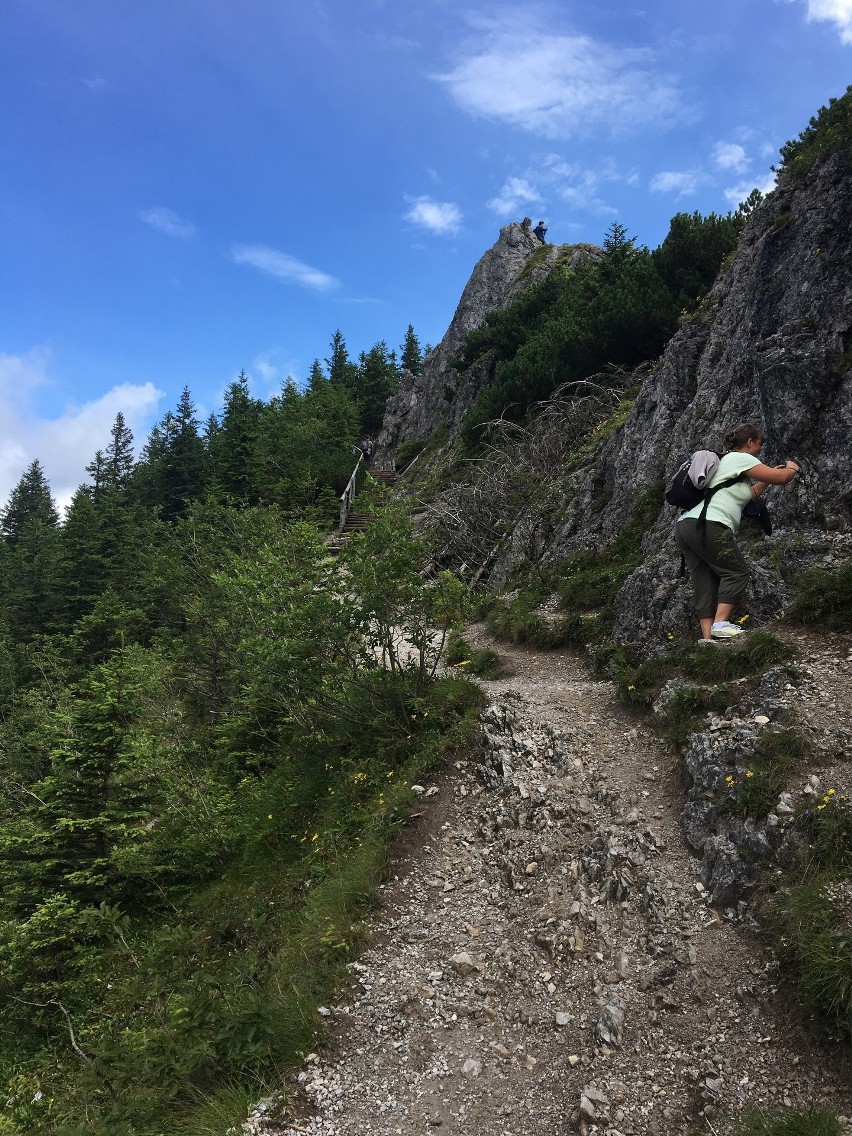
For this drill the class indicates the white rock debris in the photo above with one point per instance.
(547, 960)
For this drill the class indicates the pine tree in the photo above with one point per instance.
(184, 465)
(316, 377)
(119, 454)
(412, 358)
(378, 379)
(233, 447)
(30, 526)
(342, 372)
(29, 500)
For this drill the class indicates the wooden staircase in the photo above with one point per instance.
(350, 521)
(387, 477)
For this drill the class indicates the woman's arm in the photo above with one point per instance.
(773, 475)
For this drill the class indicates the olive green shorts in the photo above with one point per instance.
(719, 572)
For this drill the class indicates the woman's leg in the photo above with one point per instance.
(704, 580)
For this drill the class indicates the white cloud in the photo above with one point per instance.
(581, 187)
(441, 217)
(269, 370)
(168, 222)
(66, 444)
(561, 86)
(680, 183)
(515, 195)
(730, 156)
(736, 194)
(283, 267)
(837, 12)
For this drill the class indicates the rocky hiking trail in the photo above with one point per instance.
(545, 959)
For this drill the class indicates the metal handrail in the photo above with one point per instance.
(348, 494)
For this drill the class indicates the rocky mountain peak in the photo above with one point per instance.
(516, 261)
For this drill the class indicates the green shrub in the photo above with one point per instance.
(813, 1121)
(823, 598)
(816, 941)
(814, 917)
(827, 132)
(827, 827)
(750, 654)
(755, 792)
(481, 661)
(688, 706)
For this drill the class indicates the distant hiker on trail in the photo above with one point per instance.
(717, 567)
(367, 450)
(540, 230)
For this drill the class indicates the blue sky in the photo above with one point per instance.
(192, 187)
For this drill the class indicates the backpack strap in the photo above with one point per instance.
(708, 493)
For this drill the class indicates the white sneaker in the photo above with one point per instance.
(726, 630)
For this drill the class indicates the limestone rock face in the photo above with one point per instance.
(772, 343)
(435, 398)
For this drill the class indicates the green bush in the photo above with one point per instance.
(814, 917)
(755, 792)
(688, 706)
(828, 131)
(823, 598)
(813, 1121)
(481, 661)
(816, 941)
(750, 654)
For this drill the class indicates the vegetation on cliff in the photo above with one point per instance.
(828, 132)
(616, 310)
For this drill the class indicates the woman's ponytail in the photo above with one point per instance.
(737, 438)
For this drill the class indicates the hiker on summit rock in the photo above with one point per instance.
(717, 567)
(540, 231)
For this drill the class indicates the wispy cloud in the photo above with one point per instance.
(560, 86)
(67, 443)
(736, 194)
(168, 222)
(681, 183)
(515, 195)
(283, 267)
(441, 217)
(838, 12)
(730, 156)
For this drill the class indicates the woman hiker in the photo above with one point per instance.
(717, 567)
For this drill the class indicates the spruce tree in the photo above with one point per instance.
(30, 527)
(29, 500)
(233, 447)
(412, 357)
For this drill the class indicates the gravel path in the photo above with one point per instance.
(545, 961)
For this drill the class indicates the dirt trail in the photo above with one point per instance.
(544, 960)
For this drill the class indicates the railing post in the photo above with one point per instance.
(348, 495)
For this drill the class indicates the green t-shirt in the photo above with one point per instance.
(727, 505)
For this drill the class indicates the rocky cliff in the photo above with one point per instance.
(438, 397)
(771, 343)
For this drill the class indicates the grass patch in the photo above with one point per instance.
(753, 653)
(220, 1113)
(481, 661)
(756, 791)
(814, 917)
(687, 708)
(538, 257)
(812, 1121)
(823, 598)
